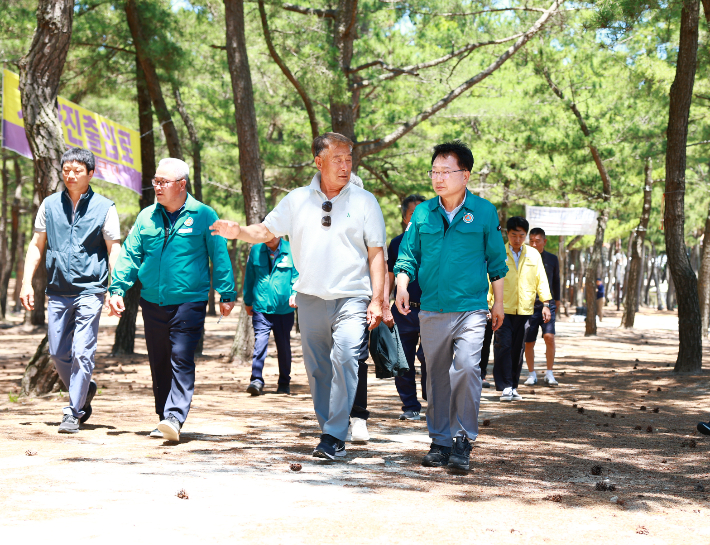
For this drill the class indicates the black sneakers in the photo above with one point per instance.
(255, 388)
(328, 447)
(461, 454)
(704, 428)
(409, 415)
(286, 389)
(438, 456)
(87, 404)
(70, 424)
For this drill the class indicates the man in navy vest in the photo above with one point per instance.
(81, 232)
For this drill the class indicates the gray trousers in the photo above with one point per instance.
(332, 334)
(73, 330)
(452, 343)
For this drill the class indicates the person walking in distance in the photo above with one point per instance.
(408, 324)
(270, 301)
(526, 278)
(169, 250)
(82, 233)
(600, 299)
(538, 240)
(451, 245)
(337, 235)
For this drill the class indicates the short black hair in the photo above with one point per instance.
(323, 141)
(80, 155)
(538, 231)
(409, 200)
(517, 222)
(462, 152)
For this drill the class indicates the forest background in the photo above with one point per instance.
(591, 86)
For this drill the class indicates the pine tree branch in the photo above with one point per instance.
(323, 13)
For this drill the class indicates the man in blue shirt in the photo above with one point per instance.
(269, 299)
(408, 325)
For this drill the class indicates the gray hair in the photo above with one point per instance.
(176, 167)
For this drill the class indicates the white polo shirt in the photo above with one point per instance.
(332, 262)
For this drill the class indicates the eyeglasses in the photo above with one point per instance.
(162, 183)
(327, 206)
(443, 175)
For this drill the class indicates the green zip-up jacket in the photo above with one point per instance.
(453, 262)
(173, 263)
(268, 292)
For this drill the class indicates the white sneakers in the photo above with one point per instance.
(532, 379)
(550, 379)
(511, 394)
(357, 432)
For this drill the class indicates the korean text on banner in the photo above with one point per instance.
(562, 221)
(117, 148)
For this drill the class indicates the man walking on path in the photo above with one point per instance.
(82, 234)
(337, 235)
(408, 325)
(269, 300)
(526, 278)
(538, 240)
(600, 299)
(450, 245)
(169, 250)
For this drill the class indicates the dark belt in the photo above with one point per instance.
(414, 305)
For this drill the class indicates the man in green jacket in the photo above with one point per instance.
(269, 299)
(169, 250)
(451, 245)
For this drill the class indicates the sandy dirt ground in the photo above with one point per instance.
(619, 406)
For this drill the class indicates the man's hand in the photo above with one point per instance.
(497, 315)
(374, 314)
(226, 308)
(27, 296)
(387, 317)
(402, 299)
(116, 306)
(546, 314)
(225, 228)
(292, 301)
(250, 312)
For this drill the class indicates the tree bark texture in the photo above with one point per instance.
(40, 71)
(9, 256)
(125, 337)
(639, 236)
(151, 77)
(689, 319)
(704, 279)
(194, 143)
(248, 137)
(5, 256)
(41, 377)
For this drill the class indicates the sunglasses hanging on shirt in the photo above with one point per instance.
(327, 206)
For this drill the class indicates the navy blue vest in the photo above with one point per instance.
(77, 258)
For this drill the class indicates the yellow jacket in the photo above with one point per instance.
(524, 282)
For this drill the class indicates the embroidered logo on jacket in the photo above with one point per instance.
(468, 218)
(189, 222)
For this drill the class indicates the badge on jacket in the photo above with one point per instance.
(189, 222)
(468, 218)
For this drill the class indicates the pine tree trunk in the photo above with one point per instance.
(635, 264)
(14, 238)
(689, 319)
(249, 158)
(562, 257)
(152, 81)
(590, 287)
(41, 377)
(6, 258)
(19, 269)
(125, 338)
(40, 71)
(704, 279)
(195, 143)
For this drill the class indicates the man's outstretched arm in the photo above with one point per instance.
(253, 234)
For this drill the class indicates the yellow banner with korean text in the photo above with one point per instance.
(117, 148)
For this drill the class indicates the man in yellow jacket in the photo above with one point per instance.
(526, 278)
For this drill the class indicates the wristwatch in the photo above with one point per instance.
(225, 300)
(546, 305)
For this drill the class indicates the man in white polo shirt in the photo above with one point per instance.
(337, 236)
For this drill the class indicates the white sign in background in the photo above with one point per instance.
(562, 221)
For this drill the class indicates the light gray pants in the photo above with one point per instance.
(332, 334)
(73, 330)
(452, 343)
